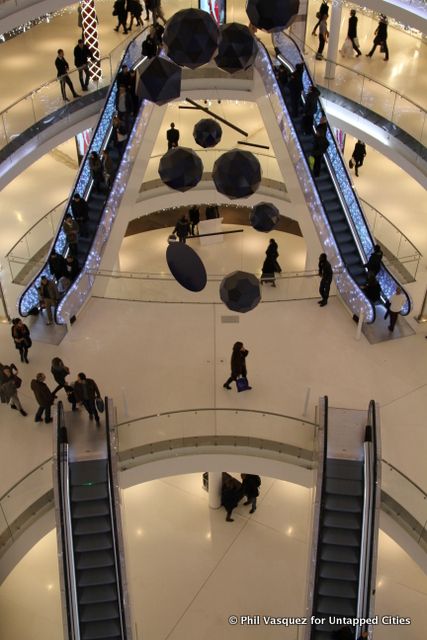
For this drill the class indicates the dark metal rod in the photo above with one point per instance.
(211, 113)
(216, 233)
(184, 107)
(252, 144)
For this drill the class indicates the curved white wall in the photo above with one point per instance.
(16, 12)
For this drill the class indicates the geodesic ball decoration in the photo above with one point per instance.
(207, 133)
(180, 168)
(160, 80)
(237, 48)
(191, 37)
(272, 15)
(186, 266)
(240, 291)
(264, 216)
(237, 174)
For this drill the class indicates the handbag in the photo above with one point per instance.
(311, 161)
(351, 163)
(242, 384)
(28, 342)
(99, 403)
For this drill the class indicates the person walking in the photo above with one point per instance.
(21, 337)
(119, 10)
(86, 392)
(375, 260)
(62, 69)
(182, 229)
(82, 55)
(96, 171)
(238, 364)
(273, 252)
(325, 273)
(135, 10)
(380, 39)
(352, 32)
(71, 230)
(231, 494)
(250, 488)
(268, 269)
(194, 215)
(397, 301)
(172, 136)
(10, 382)
(60, 372)
(323, 37)
(320, 146)
(48, 296)
(358, 156)
(44, 398)
(323, 11)
(80, 209)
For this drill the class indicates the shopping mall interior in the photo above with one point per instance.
(158, 346)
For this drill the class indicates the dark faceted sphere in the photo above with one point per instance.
(240, 291)
(237, 174)
(180, 168)
(237, 48)
(272, 15)
(207, 133)
(191, 37)
(264, 216)
(160, 80)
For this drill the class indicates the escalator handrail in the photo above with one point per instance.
(384, 271)
(66, 528)
(114, 528)
(82, 183)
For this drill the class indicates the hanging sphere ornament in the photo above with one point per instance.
(264, 216)
(272, 15)
(180, 168)
(237, 48)
(240, 291)
(186, 266)
(191, 37)
(207, 133)
(237, 174)
(160, 80)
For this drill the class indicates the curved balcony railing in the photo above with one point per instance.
(370, 93)
(290, 53)
(32, 109)
(260, 433)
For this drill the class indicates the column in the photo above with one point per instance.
(90, 36)
(215, 487)
(334, 36)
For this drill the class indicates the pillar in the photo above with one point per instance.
(215, 488)
(334, 37)
(90, 36)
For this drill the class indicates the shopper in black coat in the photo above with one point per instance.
(21, 337)
(80, 209)
(352, 31)
(120, 10)
(250, 488)
(358, 156)
(372, 288)
(323, 11)
(310, 108)
(320, 147)
(194, 214)
(380, 39)
(62, 69)
(375, 260)
(82, 55)
(238, 364)
(273, 252)
(57, 265)
(325, 273)
(268, 269)
(43, 396)
(86, 391)
(172, 136)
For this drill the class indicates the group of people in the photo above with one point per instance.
(352, 42)
(122, 9)
(234, 491)
(188, 226)
(83, 390)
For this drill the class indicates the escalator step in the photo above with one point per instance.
(342, 520)
(90, 509)
(353, 260)
(344, 487)
(89, 526)
(99, 611)
(343, 503)
(344, 537)
(96, 542)
(336, 606)
(89, 492)
(340, 554)
(320, 634)
(339, 571)
(98, 593)
(93, 471)
(101, 576)
(338, 588)
(94, 559)
(100, 630)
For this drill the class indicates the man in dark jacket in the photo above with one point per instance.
(380, 39)
(375, 260)
(310, 107)
(172, 136)
(194, 214)
(358, 156)
(43, 396)
(120, 11)
(182, 229)
(250, 488)
(325, 273)
(72, 268)
(57, 265)
(320, 147)
(86, 391)
(62, 69)
(82, 55)
(80, 210)
(149, 46)
(352, 31)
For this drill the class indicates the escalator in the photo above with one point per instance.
(91, 559)
(343, 571)
(339, 200)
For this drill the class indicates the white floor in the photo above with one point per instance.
(188, 569)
